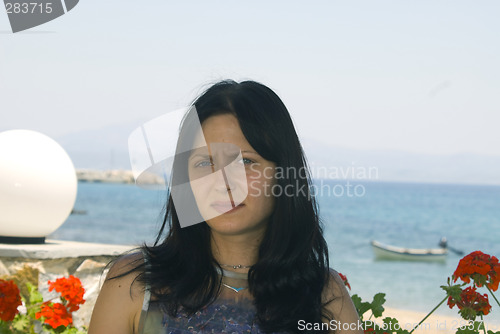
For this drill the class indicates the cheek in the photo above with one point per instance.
(261, 188)
(260, 181)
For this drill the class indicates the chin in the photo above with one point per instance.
(224, 226)
(231, 227)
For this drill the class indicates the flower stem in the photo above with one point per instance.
(435, 308)
(484, 327)
(39, 304)
(487, 287)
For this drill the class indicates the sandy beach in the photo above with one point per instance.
(435, 324)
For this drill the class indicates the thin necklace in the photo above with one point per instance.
(236, 266)
(234, 288)
(232, 274)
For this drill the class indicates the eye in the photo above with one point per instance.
(246, 161)
(203, 163)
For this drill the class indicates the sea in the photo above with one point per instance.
(412, 215)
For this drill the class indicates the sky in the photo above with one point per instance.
(414, 76)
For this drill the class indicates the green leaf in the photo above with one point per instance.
(390, 321)
(468, 313)
(393, 325)
(361, 306)
(471, 328)
(35, 300)
(453, 291)
(376, 304)
(35, 296)
(73, 330)
(4, 328)
(21, 323)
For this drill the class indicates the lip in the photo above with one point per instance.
(225, 206)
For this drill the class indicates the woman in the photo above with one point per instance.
(260, 263)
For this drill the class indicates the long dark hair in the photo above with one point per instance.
(292, 268)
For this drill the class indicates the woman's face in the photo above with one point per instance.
(232, 189)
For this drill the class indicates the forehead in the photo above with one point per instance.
(222, 128)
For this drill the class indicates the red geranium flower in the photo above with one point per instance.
(54, 314)
(482, 268)
(10, 300)
(471, 303)
(369, 330)
(346, 282)
(71, 291)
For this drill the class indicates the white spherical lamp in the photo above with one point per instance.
(38, 186)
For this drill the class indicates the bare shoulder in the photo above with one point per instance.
(122, 276)
(125, 264)
(338, 304)
(335, 287)
(118, 306)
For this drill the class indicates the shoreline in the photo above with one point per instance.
(126, 176)
(116, 176)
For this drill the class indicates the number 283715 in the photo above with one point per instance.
(28, 8)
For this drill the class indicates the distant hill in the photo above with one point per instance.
(394, 165)
(106, 148)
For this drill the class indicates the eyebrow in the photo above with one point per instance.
(199, 152)
(203, 155)
(206, 155)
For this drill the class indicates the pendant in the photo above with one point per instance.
(233, 288)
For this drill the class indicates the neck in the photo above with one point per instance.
(236, 249)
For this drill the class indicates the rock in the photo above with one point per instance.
(90, 266)
(91, 275)
(3, 270)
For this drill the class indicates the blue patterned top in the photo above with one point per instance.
(233, 313)
(219, 317)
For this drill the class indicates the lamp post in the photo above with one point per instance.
(38, 186)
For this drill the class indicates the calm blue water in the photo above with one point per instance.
(401, 214)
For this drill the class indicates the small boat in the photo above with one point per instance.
(388, 252)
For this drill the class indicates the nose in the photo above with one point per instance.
(222, 184)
